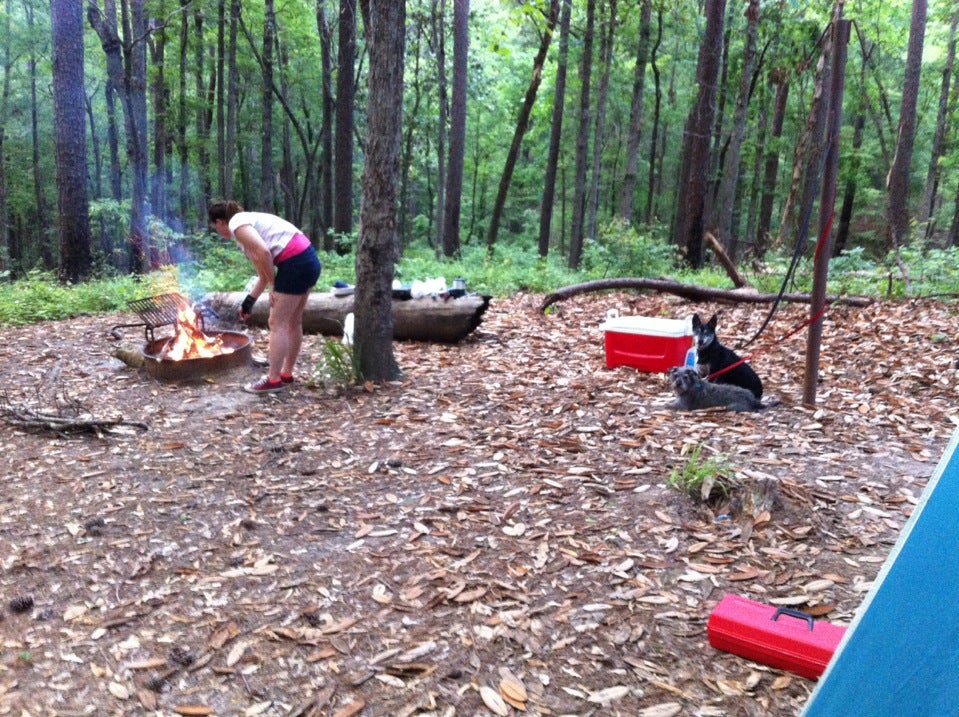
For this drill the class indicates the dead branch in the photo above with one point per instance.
(31, 419)
(731, 271)
(689, 291)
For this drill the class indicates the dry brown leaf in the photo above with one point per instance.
(493, 701)
(353, 708)
(193, 710)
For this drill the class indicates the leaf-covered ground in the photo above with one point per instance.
(492, 534)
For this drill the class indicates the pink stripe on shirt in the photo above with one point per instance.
(297, 245)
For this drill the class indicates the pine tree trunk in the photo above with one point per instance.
(522, 122)
(161, 139)
(66, 21)
(345, 91)
(266, 193)
(326, 130)
(42, 219)
(555, 133)
(779, 77)
(602, 95)
(376, 252)
(577, 222)
(439, 40)
(928, 206)
(898, 180)
(454, 168)
(652, 183)
(5, 264)
(726, 195)
(232, 100)
(694, 172)
(636, 113)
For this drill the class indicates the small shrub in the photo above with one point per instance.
(707, 479)
(337, 367)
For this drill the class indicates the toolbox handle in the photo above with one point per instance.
(794, 613)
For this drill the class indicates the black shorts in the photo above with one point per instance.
(298, 274)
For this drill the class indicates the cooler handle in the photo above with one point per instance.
(796, 614)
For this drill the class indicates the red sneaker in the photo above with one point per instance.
(264, 385)
(286, 377)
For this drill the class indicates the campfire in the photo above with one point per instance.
(191, 352)
(190, 341)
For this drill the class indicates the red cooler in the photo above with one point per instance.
(649, 344)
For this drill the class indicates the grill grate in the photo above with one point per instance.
(156, 311)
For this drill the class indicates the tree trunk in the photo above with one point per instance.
(555, 133)
(898, 181)
(576, 225)
(809, 152)
(220, 102)
(442, 99)
(266, 198)
(928, 207)
(454, 168)
(376, 252)
(232, 101)
(726, 195)
(345, 91)
(202, 129)
(415, 89)
(183, 150)
(849, 195)
(602, 96)
(326, 130)
(5, 265)
(779, 77)
(694, 178)
(66, 23)
(522, 122)
(654, 135)
(426, 319)
(41, 220)
(636, 113)
(161, 138)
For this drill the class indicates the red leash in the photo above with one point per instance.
(822, 239)
(746, 358)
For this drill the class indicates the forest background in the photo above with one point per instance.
(549, 133)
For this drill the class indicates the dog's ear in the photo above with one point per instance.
(711, 324)
(697, 322)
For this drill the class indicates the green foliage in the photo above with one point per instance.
(622, 250)
(40, 297)
(703, 478)
(337, 368)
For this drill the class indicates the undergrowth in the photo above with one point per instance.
(205, 263)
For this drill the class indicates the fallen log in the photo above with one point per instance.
(691, 292)
(428, 319)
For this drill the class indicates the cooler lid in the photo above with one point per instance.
(648, 326)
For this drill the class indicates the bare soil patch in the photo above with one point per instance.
(500, 516)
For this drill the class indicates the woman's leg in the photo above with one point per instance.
(286, 332)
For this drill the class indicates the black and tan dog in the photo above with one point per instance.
(712, 356)
(693, 393)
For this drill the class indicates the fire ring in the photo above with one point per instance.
(167, 370)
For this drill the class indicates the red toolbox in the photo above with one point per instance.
(784, 638)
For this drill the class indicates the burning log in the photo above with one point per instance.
(427, 319)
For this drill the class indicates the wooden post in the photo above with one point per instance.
(827, 202)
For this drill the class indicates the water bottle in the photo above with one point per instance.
(690, 361)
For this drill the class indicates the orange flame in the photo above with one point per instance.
(189, 341)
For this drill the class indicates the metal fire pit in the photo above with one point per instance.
(167, 370)
(157, 311)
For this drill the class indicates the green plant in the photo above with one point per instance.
(705, 478)
(337, 367)
(619, 249)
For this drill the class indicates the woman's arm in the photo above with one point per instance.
(258, 253)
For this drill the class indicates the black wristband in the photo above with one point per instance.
(247, 306)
